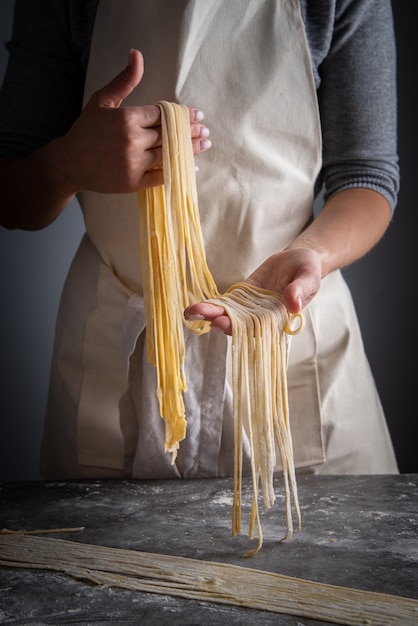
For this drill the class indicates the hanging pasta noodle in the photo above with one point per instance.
(261, 331)
(175, 274)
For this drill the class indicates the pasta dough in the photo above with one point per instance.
(176, 274)
(209, 581)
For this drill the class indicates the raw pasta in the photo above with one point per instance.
(261, 332)
(208, 581)
(176, 274)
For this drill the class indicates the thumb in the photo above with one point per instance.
(114, 93)
(292, 299)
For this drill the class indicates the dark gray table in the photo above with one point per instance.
(357, 531)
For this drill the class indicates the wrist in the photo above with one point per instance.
(306, 243)
(55, 166)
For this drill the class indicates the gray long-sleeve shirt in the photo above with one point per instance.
(353, 56)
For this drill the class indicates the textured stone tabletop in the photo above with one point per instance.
(357, 531)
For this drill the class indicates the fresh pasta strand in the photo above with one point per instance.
(176, 274)
(261, 332)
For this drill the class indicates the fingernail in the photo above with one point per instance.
(204, 132)
(198, 115)
(205, 144)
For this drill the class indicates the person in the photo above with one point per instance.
(301, 102)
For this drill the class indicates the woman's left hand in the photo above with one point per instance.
(294, 272)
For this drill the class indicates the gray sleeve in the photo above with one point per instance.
(358, 100)
(354, 57)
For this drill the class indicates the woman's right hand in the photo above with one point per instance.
(109, 149)
(115, 149)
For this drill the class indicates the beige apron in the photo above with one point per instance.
(255, 195)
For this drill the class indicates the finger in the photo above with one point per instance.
(213, 313)
(149, 138)
(152, 159)
(151, 178)
(297, 295)
(222, 324)
(149, 116)
(200, 139)
(292, 300)
(203, 311)
(196, 115)
(199, 131)
(115, 92)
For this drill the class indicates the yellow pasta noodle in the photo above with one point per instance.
(175, 274)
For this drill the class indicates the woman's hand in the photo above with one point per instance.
(348, 226)
(117, 149)
(109, 149)
(294, 272)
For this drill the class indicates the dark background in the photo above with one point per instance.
(33, 267)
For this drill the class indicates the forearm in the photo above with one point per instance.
(32, 196)
(349, 225)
